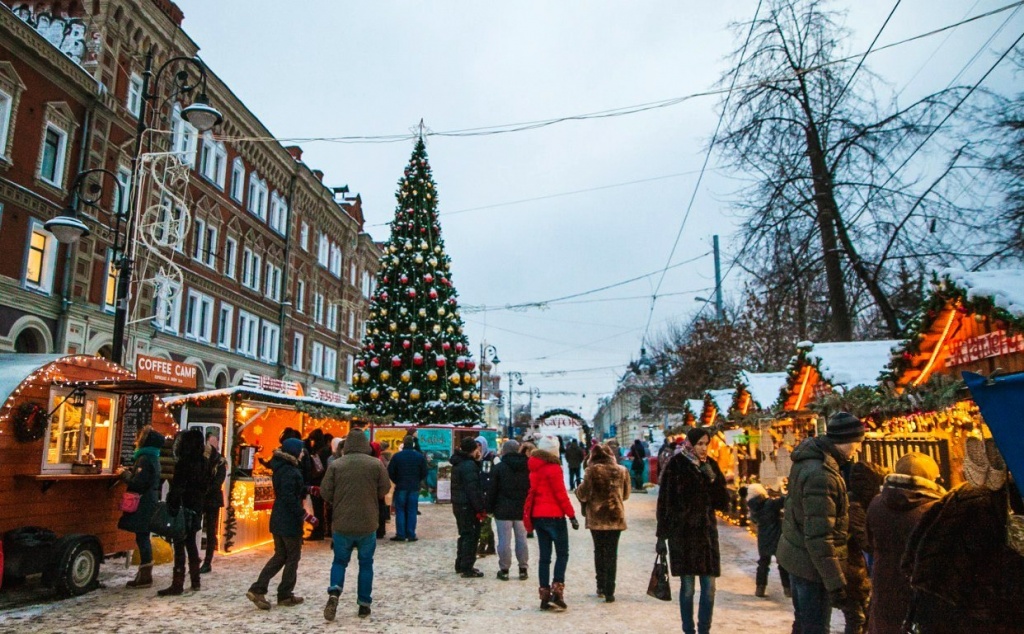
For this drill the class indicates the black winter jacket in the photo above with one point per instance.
(144, 479)
(687, 501)
(217, 466)
(467, 483)
(767, 514)
(510, 484)
(287, 514)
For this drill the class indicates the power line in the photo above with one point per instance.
(860, 63)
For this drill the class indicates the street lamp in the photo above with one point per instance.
(511, 386)
(68, 228)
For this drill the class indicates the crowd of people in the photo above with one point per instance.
(892, 551)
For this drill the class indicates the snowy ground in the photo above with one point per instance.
(416, 590)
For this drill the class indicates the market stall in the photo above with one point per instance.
(67, 423)
(753, 398)
(249, 421)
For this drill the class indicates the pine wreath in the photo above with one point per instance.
(29, 422)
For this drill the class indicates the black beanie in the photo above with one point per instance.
(844, 427)
(468, 445)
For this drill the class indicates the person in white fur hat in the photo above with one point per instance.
(765, 512)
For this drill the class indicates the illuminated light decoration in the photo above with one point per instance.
(926, 372)
(803, 388)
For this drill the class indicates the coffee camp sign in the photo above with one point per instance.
(164, 372)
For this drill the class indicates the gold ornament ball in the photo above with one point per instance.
(432, 261)
(408, 246)
(406, 376)
(376, 331)
(468, 378)
(383, 312)
(449, 330)
(413, 327)
(392, 326)
(418, 259)
(424, 245)
(414, 395)
(465, 395)
(432, 375)
(353, 397)
(455, 379)
(422, 312)
(384, 375)
(437, 328)
(394, 395)
(374, 394)
(441, 311)
(437, 249)
(443, 396)
(393, 249)
(365, 377)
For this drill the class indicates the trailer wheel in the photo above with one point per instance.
(78, 565)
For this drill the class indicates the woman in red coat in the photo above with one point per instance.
(547, 506)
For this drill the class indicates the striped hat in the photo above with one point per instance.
(844, 427)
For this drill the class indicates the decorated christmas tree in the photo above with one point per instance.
(415, 365)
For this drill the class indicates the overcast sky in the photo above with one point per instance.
(541, 214)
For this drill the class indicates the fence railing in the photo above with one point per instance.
(886, 451)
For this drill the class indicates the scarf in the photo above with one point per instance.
(147, 451)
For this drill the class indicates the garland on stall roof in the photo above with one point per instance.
(876, 405)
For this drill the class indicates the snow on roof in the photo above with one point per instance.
(1004, 286)
(764, 387)
(853, 363)
(722, 399)
(16, 367)
(229, 391)
(696, 405)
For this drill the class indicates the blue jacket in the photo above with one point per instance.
(407, 469)
(289, 488)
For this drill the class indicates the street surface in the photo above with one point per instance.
(417, 590)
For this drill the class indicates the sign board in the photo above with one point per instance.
(271, 384)
(263, 493)
(326, 396)
(138, 412)
(164, 372)
(437, 441)
(390, 438)
(994, 344)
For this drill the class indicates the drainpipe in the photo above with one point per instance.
(287, 303)
(69, 263)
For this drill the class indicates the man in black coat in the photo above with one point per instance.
(574, 459)
(214, 499)
(468, 505)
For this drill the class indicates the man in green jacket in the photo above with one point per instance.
(352, 486)
(816, 522)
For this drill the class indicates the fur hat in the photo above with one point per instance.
(983, 464)
(293, 446)
(844, 427)
(918, 464)
(548, 444)
(755, 490)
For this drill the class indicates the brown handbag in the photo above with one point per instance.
(658, 586)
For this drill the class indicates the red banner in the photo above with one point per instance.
(994, 344)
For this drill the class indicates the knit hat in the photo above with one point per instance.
(509, 447)
(695, 434)
(292, 446)
(755, 490)
(918, 464)
(548, 444)
(844, 427)
(468, 445)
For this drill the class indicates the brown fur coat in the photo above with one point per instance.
(605, 487)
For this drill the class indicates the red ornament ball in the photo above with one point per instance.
(417, 359)
(446, 346)
(396, 361)
(406, 344)
(428, 278)
(428, 346)
(432, 293)
(441, 361)
(412, 293)
(404, 279)
(460, 362)
(458, 347)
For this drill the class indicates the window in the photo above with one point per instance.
(110, 283)
(332, 317)
(183, 137)
(170, 225)
(224, 324)
(40, 259)
(6, 106)
(335, 266)
(348, 368)
(323, 249)
(205, 245)
(304, 236)
(352, 273)
(213, 160)
(278, 213)
(247, 333)
(300, 296)
(251, 267)
(270, 341)
(230, 253)
(237, 179)
(273, 282)
(122, 193)
(166, 305)
(257, 204)
(330, 364)
(51, 164)
(199, 317)
(351, 324)
(316, 362)
(298, 350)
(134, 102)
(366, 284)
(82, 433)
(318, 308)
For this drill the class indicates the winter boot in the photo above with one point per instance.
(193, 575)
(762, 591)
(331, 609)
(205, 568)
(177, 586)
(786, 590)
(143, 578)
(524, 574)
(558, 595)
(545, 598)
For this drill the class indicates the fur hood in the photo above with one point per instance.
(286, 457)
(546, 456)
(599, 454)
(605, 487)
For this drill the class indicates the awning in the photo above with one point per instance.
(15, 368)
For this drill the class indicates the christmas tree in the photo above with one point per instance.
(415, 365)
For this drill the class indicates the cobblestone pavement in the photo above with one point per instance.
(416, 590)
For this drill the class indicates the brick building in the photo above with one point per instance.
(247, 261)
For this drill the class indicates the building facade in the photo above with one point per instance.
(246, 261)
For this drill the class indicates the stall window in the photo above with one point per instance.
(80, 431)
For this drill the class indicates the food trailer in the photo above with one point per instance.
(66, 424)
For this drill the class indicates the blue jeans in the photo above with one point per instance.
(704, 608)
(813, 612)
(552, 531)
(406, 505)
(365, 545)
(145, 546)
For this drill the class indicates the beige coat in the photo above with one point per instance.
(604, 490)
(352, 485)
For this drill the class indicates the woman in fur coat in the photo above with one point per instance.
(604, 489)
(692, 489)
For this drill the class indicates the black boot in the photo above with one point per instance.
(177, 586)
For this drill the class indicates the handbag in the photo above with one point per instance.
(130, 502)
(172, 527)
(658, 586)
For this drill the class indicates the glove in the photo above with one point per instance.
(574, 523)
(481, 516)
(314, 491)
(310, 519)
(661, 547)
(837, 598)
